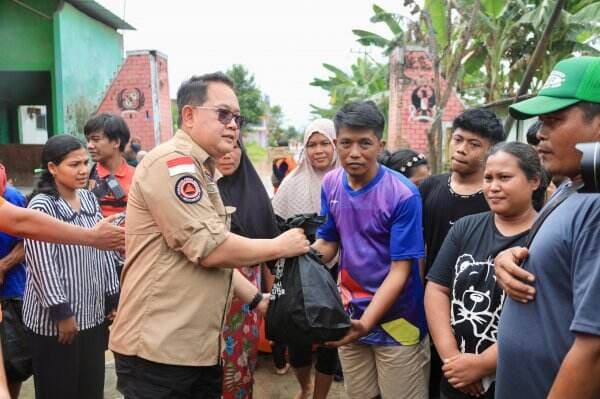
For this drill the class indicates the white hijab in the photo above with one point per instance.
(300, 191)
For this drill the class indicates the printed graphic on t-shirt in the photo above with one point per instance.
(476, 304)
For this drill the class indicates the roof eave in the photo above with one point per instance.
(99, 13)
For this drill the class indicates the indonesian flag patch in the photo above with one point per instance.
(188, 189)
(181, 165)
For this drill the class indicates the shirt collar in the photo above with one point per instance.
(120, 172)
(182, 138)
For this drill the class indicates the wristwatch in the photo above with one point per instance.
(256, 300)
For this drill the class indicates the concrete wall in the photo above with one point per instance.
(28, 36)
(87, 56)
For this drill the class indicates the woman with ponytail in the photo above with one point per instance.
(408, 162)
(71, 289)
(463, 301)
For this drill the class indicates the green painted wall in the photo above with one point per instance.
(4, 133)
(28, 35)
(87, 57)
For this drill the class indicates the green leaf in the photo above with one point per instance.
(337, 71)
(474, 61)
(390, 19)
(367, 38)
(588, 14)
(494, 8)
(438, 11)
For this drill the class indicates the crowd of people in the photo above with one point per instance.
(480, 282)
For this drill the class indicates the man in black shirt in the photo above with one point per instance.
(450, 196)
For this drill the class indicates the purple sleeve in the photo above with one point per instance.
(406, 238)
(327, 231)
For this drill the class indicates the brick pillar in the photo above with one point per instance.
(131, 95)
(412, 100)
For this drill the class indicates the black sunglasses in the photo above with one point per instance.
(225, 116)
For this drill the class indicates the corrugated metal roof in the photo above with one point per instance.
(98, 12)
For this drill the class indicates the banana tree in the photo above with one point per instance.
(397, 25)
(367, 80)
(508, 32)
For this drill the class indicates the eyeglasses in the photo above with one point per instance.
(225, 116)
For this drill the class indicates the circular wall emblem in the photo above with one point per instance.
(188, 189)
(131, 99)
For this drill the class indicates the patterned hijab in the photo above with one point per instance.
(300, 191)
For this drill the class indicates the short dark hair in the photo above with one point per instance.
(481, 122)
(193, 90)
(529, 162)
(360, 115)
(113, 127)
(532, 133)
(590, 110)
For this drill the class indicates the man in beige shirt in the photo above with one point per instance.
(178, 278)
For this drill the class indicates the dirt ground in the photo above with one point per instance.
(268, 385)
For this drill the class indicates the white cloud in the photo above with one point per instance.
(283, 43)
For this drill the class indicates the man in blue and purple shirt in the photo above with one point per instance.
(374, 219)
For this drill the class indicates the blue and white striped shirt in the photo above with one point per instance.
(65, 280)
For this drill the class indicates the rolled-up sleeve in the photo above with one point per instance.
(192, 226)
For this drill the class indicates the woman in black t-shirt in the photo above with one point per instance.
(462, 300)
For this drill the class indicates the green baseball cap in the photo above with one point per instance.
(572, 80)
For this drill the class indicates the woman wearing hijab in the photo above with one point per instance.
(242, 188)
(300, 192)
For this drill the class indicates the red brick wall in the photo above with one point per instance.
(411, 103)
(134, 79)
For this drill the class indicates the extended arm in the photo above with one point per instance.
(246, 291)
(242, 288)
(511, 277)
(236, 251)
(327, 249)
(28, 223)
(385, 296)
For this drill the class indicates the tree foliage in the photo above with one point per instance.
(255, 108)
(249, 95)
(482, 47)
(367, 80)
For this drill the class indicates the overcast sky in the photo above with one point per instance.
(282, 42)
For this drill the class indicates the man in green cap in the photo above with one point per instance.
(549, 334)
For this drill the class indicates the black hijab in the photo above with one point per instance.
(254, 216)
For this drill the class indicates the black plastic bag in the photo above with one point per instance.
(305, 306)
(17, 356)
